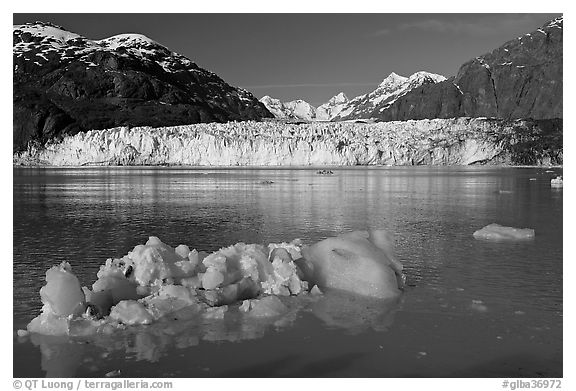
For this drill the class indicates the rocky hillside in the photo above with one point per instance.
(459, 141)
(65, 83)
(520, 79)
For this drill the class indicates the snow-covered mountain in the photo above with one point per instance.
(293, 110)
(65, 83)
(301, 109)
(332, 108)
(391, 88)
(340, 108)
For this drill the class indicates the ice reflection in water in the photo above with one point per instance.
(64, 356)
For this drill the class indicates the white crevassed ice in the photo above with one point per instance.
(155, 280)
(498, 232)
(437, 141)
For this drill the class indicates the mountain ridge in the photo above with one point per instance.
(522, 78)
(339, 107)
(65, 83)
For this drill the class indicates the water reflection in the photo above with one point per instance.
(85, 216)
(72, 356)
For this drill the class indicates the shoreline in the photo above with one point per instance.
(284, 167)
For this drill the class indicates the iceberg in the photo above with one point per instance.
(360, 262)
(156, 283)
(557, 182)
(498, 232)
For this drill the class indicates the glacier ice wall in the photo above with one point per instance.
(457, 141)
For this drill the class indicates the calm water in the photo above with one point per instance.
(472, 308)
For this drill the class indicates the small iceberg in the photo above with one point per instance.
(155, 283)
(499, 232)
(557, 182)
(359, 262)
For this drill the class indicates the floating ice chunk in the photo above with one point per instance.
(236, 262)
(267, 306)
(99, 302)
(131, 312)
(81, 327)
(178, 292)
(245, 307)
(171, 299)
(294, 248)
(498, 232)
(215, 312)
(315, 290)
(285, 279)
(118, 288)
(62, 298)
(150, 264)
(243, 289)
(63, 293)
(182, 250)
(212, 279)
(359, 262)
(557, 182)
(49, 324)
(478, 305)
(155, 281)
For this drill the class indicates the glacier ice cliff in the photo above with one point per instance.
(456, 141)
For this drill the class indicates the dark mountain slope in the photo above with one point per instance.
(65, 83)
(520, 79)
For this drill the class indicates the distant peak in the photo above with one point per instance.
(557, 22)
(46, 30)
(339, 98)
(268, 98)
(427, 75)
(39, 23)
(392, 79)
(128, 40)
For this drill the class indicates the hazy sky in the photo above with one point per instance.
(312, 56)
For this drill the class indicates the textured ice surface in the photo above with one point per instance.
(498, 232)
(156, 282)
(435, 141)
(360, 262)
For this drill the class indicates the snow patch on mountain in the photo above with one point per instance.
(332, 108)
(45, 31)
(387, 92)
(301, 109)
(295, 110)
(40, 38)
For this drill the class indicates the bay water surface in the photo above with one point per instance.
(470, 309)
